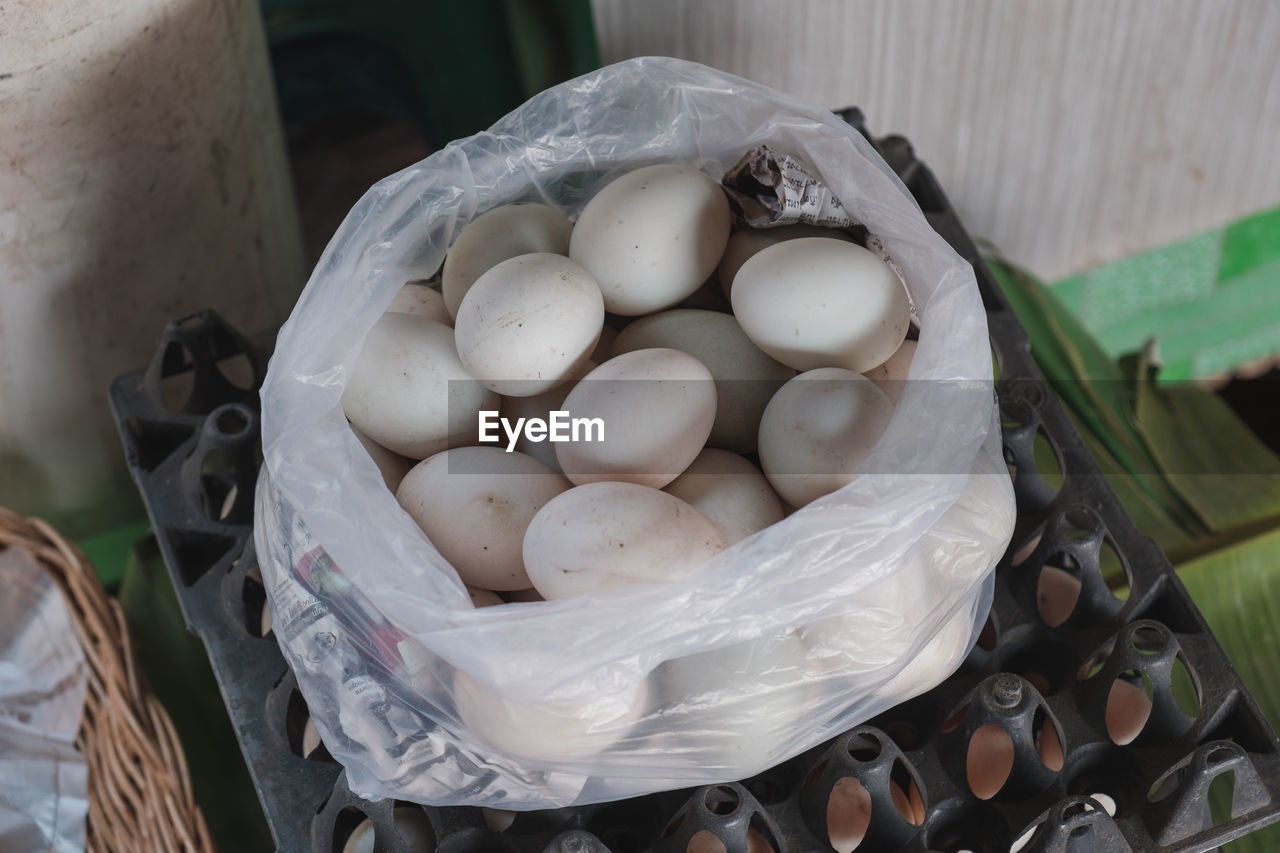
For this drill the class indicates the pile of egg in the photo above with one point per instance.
(803, 375)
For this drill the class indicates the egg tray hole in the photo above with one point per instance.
(923, 801)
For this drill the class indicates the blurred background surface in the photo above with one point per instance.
(163, 156)
(1069, 132)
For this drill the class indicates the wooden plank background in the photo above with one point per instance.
(1069, 132)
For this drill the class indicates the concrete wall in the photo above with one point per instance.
(142, 176)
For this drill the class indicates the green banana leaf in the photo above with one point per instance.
(1213, 461)
(1180, 444)
(1238, 591)
(1093, 387)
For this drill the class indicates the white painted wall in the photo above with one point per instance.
(1068, 132)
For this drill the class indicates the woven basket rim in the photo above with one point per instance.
(140, 794)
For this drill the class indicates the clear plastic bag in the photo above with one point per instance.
(852, 604)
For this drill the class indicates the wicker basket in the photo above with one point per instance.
(140, 795)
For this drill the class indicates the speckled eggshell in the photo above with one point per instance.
(652, 237)
(730, 491)
(817, 429)
(611, 535)
(409, 392)
(529, 323)
(657, 407)
(475, 504)
(746, 242)
(496, 235)
(417, 298)
(745, 377)
(891, 376)
(818, 302)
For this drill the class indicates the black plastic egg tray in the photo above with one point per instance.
(899, 783)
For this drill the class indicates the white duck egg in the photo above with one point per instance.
(817, 429)
(730, 491)
(409, 392)
(417, 298)
(496, 235)
(529, 323)
(891, 377)
(746, 378)
(611, 535)
(652, 237)
(655, 409)
(746, 242)
(475, 504)
(818, 302)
